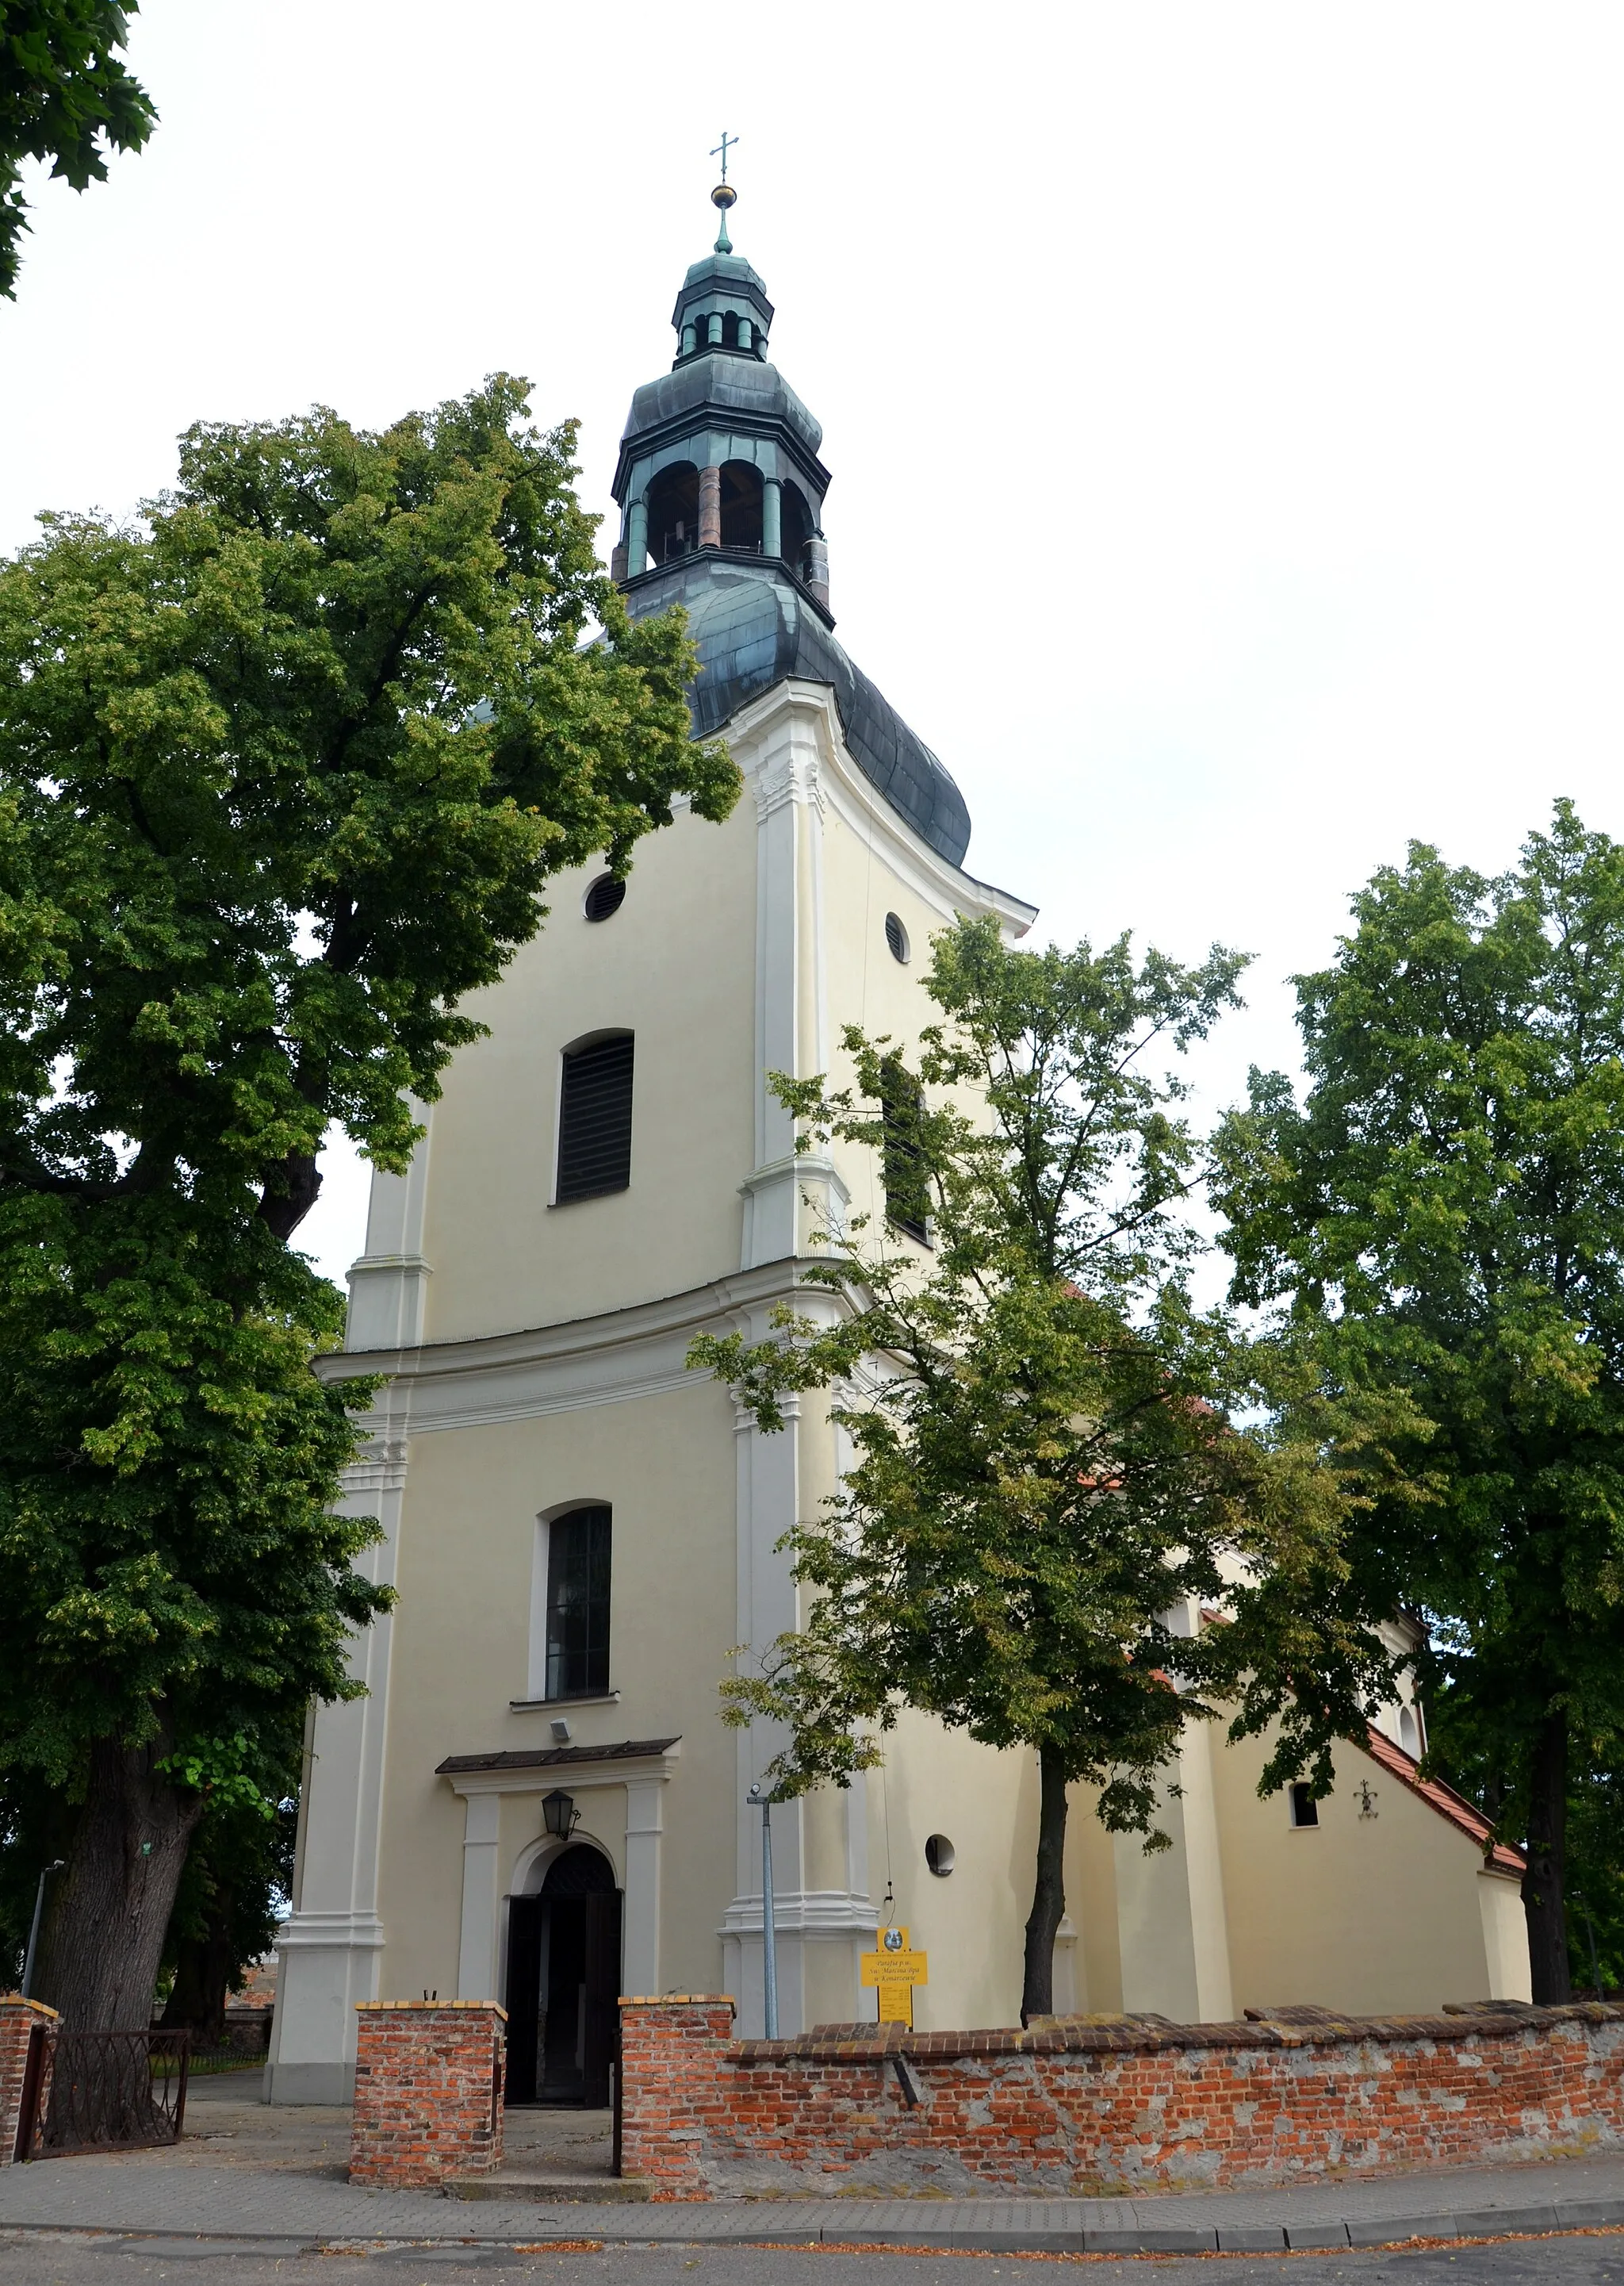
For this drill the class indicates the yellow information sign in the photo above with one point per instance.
(894, 1968)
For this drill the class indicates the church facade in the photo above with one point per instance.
(535, 1800)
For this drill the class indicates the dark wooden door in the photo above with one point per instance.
(524, 1918)
(602, 1996)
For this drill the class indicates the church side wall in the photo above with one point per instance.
(1378, 1908)
(972, 1922)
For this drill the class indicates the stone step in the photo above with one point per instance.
(548, 2189)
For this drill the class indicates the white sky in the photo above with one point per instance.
(1225, 404)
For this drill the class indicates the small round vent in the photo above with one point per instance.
(940, 1856)
(897, 937)
(607, 895)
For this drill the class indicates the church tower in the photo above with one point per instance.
(536, 1799)
(721, 492)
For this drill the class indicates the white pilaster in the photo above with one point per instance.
(790, 963)
(476, 1948)
(388, 1284)
(640, 1937)
(329, 1949)
(1172, 1925)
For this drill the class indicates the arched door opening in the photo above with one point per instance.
(563, 1981)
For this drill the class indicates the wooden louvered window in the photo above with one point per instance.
(907, 1192)
(594, 1127)
(578, 1604)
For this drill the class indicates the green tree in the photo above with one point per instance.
(238, 1877)
(283, 773)
(1048, 1484)
(63, 94)
(1445, 1211)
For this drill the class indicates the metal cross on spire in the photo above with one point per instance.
(724, 195)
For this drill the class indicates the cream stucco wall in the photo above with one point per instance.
(462, 1651)
(676, 967)
(1363, 1912)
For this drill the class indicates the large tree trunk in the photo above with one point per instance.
(102, 1941)
(1048, 1900)
(203, 1971)
(1543, 1900)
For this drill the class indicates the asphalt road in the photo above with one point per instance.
(49, 2260)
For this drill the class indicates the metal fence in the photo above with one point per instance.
(102, 2092)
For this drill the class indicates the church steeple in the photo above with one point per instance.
(721, 495)
(723, 454)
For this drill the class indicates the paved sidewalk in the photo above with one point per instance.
(247, 2171)
(312, 2208)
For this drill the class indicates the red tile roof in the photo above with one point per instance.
(1443, 1799)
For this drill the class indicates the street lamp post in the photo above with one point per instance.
(769, 1946)
(55, 1867)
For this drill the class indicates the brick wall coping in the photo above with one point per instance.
(870, 2043)
(16, 2000)
(680, 2000)
(433, 2008)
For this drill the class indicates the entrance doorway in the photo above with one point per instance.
(563, 1981)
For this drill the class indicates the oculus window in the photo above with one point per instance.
(606, 897)
(578, 1604)
(594, 1119)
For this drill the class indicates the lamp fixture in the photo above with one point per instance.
(559, 1814)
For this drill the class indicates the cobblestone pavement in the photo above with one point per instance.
(29, 2260)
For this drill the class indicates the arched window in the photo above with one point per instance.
(578, 1664)
(673, 511)
(1409, 1731)
(741, 504)
(594, 1119)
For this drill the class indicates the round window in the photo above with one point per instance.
(896, 936)
(607, 895)
(939, 1856)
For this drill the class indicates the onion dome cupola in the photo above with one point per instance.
(721, 495)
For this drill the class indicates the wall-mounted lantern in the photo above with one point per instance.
(560, 1813)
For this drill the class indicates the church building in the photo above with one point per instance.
(537, 1801)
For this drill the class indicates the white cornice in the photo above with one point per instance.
(861, 805)
(300, 1931)
(606, 1359)
(804, 1912)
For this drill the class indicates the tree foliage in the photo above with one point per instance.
(64, 95)
(1445, 1213)
(227, 1910)
(1048, 1486)
(283, 773)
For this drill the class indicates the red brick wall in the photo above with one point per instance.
(1079, 2108)
(429, 2101)
(17, 2018)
